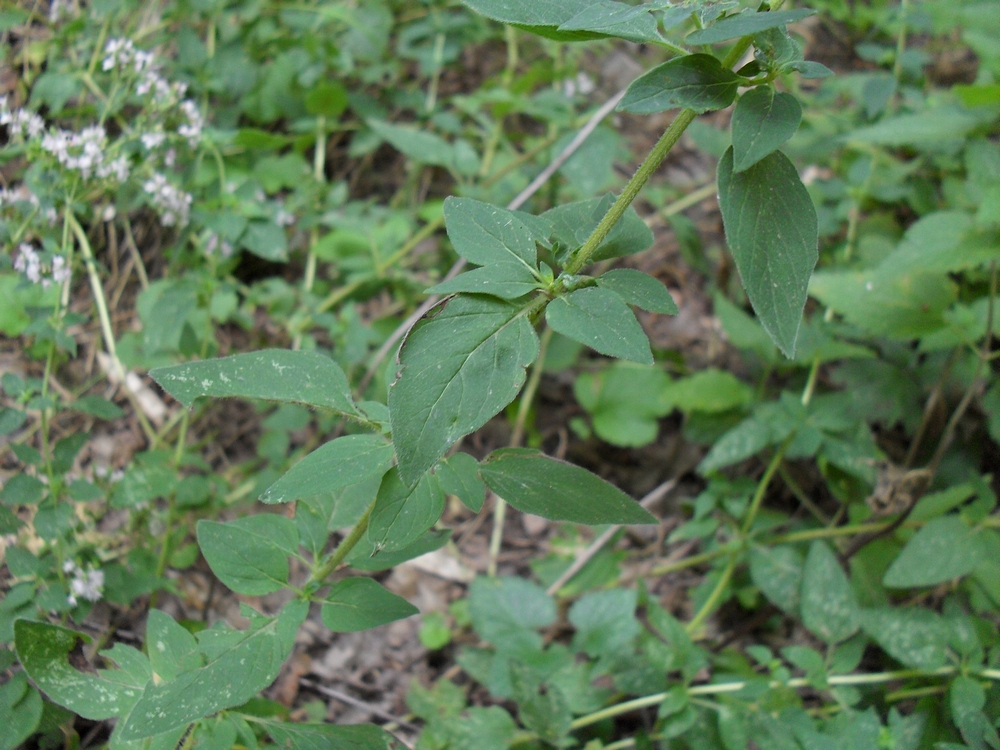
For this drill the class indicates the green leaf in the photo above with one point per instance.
(777, 572)
(944, 549)
(940, 242)
(624, 401)
(505, 280)
(425, 148)
(615, 19)
(967, 699)
(771, 228)
(22, 489)
(341, 462)
(458, 369)
(459, 476)
(605, 621)
(250, 555)
(535, 483)
(639, 289)
(171, 648)
(914, 636)
(829, 608)
(328, 99)
(97, 407)
(762, 121)
(361, 603)
(364, 556)
(327, 736)
(745, 24)
(543, 17)
(43, 651)
(710, 391)
(697, 82)
(239, 665)
(486, 235)
(507, 611)
(402, 513)
(265, 239)
(573, 223)
(929, 128)
(273, 375)
(20, 711)
(603, 321)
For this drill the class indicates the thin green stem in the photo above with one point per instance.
(342, 550)
(164, 556)
(713, 598)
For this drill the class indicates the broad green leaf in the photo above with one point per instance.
(328, 98)
(940, 242)
(457, 370)
(615, 19)
(572, 224)
(771, 228)
(770, 423)
(365, 557)
(944, 549)
(20, 711)
(928, 128)
(485, 235)
(624, 401)
(745, 24)
(22, 489)
(503, 280)
(605, 621)
(43, 651)
(710, 391)
(762, 121)
(697, 82)
(361, 603)
(966, 700)
(327, 736)
(402, 513)
(266, 240)
(273, 375)
(507, 611)
(639, 289)
(535, 483)
(914, 636)
(543, 18)
(777, 572)
(459, 476)
(829, 608)
(344, 461)
(426, 148)
(603, 321)
(171, 648)
(97, 407)
(250, 555)
(239, 665)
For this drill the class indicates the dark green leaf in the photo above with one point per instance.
(20, 711)
(341, 462)
(572, 224)
(266, 240)
(777, 572)
(534, 483)
(273, 375)
(424, 147)
(967, 699)
(697, 82)
(503, 280)
(486, 235)
(250, 555)
(600, 319)
(829, 608)
(605, 621)
(762, 121)
(97, 407)
(11, 420)
(361, 603)
(639, 289)
(364, 557)
(21, 489)
(615, 19)
(542, 17)
(507, 611)
(328, 99)
(457, 370)
(327, 736)
(944, 549)
(810, 69)
(744, 24)
(459, 476)
(914, 636)
(171, 648)
(402, 513)
(771, 228)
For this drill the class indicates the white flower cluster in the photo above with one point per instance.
(122, 54)
(86, 152)
(85, 584)
(195, 122)
(30, 263)
(213, 244)
(172, 203)
(22, 122)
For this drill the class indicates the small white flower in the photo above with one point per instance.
(192, 129)
(87, 585)
(153, 140)
(173, 204)
(284, 218)
(109, 213)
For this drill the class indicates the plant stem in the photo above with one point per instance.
(342, 550)
(161, 561)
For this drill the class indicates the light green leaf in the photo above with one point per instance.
(600, 319)
(458, 369)
(639, 289)
(487, 235)
(266, 240)
(327, 736)
(966, 700)
(940, 242)
(344, 461)
(361, 603)
(762, 121)
(20, 711)
(273, 375)
(22, 489)
(250, 555)
(928, 128)
(171, 648)
(771, 228)
(744, 24)
(503, 280)
(239, 665)
(425, 148)
(624, 401)
(777, 572)
(507, 611)
(402, 513)
(459, 476)
(944, 549)
(43, 651)
(709, 390)
(697, 82)
(535, 483)
(605, 621)
(914, 636)
(829, 607)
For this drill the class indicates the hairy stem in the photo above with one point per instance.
(342, 550)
